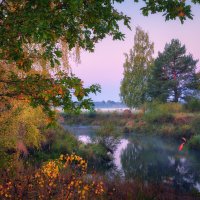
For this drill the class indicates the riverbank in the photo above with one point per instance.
(142, 167)
(169, 120)
(130, 154)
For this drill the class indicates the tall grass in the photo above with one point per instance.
(160, 113)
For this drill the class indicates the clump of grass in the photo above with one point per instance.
(182, 118)
(167, 129)
(162, 113)
(100, 151)
(185, 130)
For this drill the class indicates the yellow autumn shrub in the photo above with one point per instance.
(63, 178)
(21, 125)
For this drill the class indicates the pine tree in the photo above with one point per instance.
(173, 74)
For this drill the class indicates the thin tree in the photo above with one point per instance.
(136, 70)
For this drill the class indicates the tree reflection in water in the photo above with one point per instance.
(155, 160)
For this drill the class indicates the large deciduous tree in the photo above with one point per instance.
(133, 90)
(173, 75)
(170, 9)
(36, 37)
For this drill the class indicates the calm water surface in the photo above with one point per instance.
(151, 159)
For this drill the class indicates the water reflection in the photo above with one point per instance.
(85, 139)
(83, 133)
(117, 154)
(152, 160)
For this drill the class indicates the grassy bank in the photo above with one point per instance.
(60, 141)
(64, 168)
(170, 120)
(67, 178)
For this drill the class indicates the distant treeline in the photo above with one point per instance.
(109, 104)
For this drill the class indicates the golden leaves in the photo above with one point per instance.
(181, 12)
(63, 178)
(17, 125)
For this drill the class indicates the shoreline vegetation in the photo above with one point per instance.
(170, 119)
(39, 159)
(63, 167)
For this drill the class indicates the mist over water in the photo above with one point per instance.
(151, 159)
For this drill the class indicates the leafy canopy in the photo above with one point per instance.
(133, 90)
(37, 37)
(170, 9)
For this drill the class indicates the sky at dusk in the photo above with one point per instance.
(105, 65)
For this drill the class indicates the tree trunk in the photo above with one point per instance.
(176, 96)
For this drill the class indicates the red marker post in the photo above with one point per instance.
(181, 146)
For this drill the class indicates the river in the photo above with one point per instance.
(151, 158)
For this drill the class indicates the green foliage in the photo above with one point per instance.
(100, 151)
(94, 118)
(171, 9)
(173, 75)
(47, 21)
(194, 142)
(58, 141)
(37, 36)
(43, 31)
(185, 130)
(64, 142)
(167, 129)
(98, 156)
(196, 125)
(108, 129)
(161, 113)
(64, 90)
(193, 105)
(136, 70)
(22, 125)
(5, 159)
(108, 136)
(46, 32)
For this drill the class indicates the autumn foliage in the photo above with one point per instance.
(63, 178)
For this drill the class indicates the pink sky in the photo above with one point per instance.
(105, 65)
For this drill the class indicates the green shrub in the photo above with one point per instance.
(108, 136)
(64, 142)
(58, 141)
(194, 142)
(168, 129)
(156, 114)
(161, 113)
(91, 114)
(5, 160)
(108, 129)
(193, 105)
(184, 130)
(196, 125)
